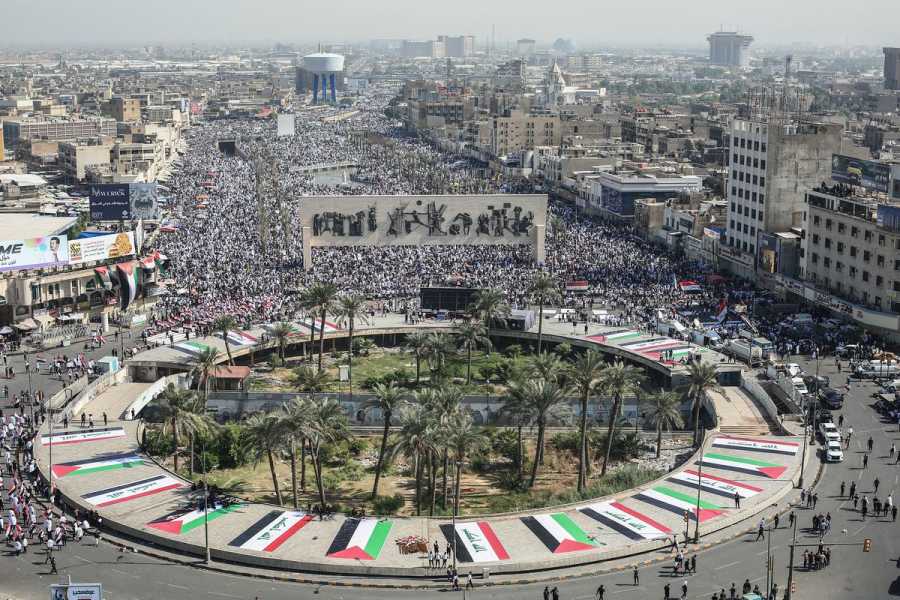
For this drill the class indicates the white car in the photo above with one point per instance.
(794, 369)
(799, 385)
(833, 452)
(829, 432)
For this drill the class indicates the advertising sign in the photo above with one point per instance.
(76, 591)
(855, 171)
(34, 253)
(768, 252)
(102, 247)
(109, 202)
(121, 201)
(888, 217)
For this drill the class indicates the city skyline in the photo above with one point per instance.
(659, 23)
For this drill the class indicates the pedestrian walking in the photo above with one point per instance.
(554, 593)
(791, 518)
(601, 592)
(865, 460)
(737, 500)
(893, 450)
(666, 592)
(894, 514)
(546, 592)
(852, 488)
(694, 564)
(637, 579)
(684, 590)
(870, 443)
(761, 530)
(470, 585)
(876, 483)
(843, 483)
(776, 521)
(841, 420)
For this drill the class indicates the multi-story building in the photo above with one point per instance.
(17, 130)
(892, 68)
(75, 157)
(613, 194)
(423, 49)
(729, 48)
(460, 46)
(771, 166)
(125, 109)
(525, 47)
(517, 131)
(438, 112)
(510, 75)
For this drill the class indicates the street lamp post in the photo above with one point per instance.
(790, 582)
(699, 486)
(205, 502)
(803, 459)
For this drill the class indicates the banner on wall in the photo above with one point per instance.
(102, 247)
(34, 253)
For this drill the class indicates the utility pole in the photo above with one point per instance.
(790, 582)
(205, 504)
(769, 562)
(699, 486)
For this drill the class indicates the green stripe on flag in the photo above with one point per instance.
(571, 528)
(685, 497)
(211, 516)
(127, 465)
(377, 539)
(740, 459)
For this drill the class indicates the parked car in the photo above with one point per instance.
(798, 384)
(793, 369)
(831, 398)
(829, 432)
(815, 383)
(847, 351)
(833, 452)
(892, 386)
(873, 370)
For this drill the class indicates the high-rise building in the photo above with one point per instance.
(126, 110)
(424, 49)
(729, 48)
(460, 46)
(892, 68)
(525, 47)
(772, 164)
(26, 129)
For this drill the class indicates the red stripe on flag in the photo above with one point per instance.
(63, 470)
(723, 480)
(758, 441)
(174, 486)
(272, 547)
(92, 439)
(640, 517)
(772, 472)
(492, 539)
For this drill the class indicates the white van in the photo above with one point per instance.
(878, 370)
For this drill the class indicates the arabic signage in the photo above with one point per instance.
(76, 591)
(415, 220)
(34, 253)
(869, 174)
(101, 247)
(123, 201)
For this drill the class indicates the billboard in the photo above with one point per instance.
(286, 125)
(869, 174)
(124, 201)
(888, 217)
(767, 253)
(101, 247)
(34, 253)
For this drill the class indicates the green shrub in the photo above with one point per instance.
(504, 443)
(157, 444)
(567, 441)
(387, 505)
(356, 446)
(513, 350)
(231, 446)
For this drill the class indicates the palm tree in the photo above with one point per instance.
(701, 379)
(438, 347)
(490, 307)
(223, 325)
(282, 332)
(417, 343)
(542, 395)
(387, 399)
(463, 439)
(327, 424)
(320, 299)
(664, 412)
(618, 380)
(471, 335)
(310, 380)
(349, 310)
(517, 406)
(295, 420)
(207, 361)
(183, 413)
(414, 440)
(266, 436)
(547, 365)
(543, 289)
(585, 375)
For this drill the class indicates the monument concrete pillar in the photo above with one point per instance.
(104, 322)
(540, 253)
(307, 247)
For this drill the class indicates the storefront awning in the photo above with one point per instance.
(45, 320)
(26, 325)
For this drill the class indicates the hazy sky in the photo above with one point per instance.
(589, 22)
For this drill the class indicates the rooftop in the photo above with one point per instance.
(17, 226)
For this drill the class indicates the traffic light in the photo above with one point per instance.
(867, 545)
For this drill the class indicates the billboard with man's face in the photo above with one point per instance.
(34, 253)
(124, 202)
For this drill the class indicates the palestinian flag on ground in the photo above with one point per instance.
(559, 533)
(240, 338)
(679, 503)
(132, 491)
(192, 347)
(626, 521)
(770, 445)
(109, 462)
(360, 539)
(475, 542)
(716, 485)
(182, 521)
(63, 438)
(743, 465)
(647, 344)
(270, 532)
(128, 278)
(616, 335)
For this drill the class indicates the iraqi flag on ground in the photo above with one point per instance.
(770, 445)
(716, 485)
(559, 533)
(98, 464)
(577, 285)
(182, 521)
(64, 438)
(475, 542)
(128, 280)
(241, 338)
(679, 503)
(192, 347)
(271, 531)
(742, 465)
(132, 491)
(626, 521)
(360, 539)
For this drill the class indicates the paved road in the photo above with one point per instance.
(852, 574)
